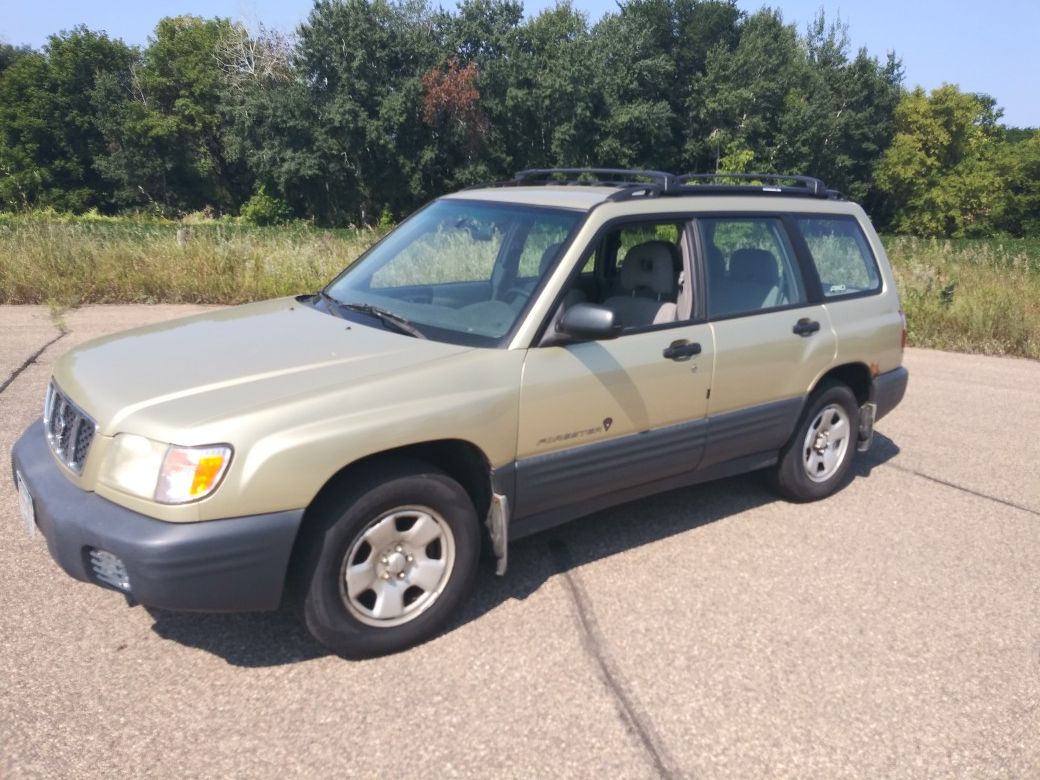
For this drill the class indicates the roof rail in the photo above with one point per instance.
(771, 183)
(614, 177)
(634, 183)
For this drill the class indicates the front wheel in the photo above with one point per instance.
(819, 454)
(385, 567)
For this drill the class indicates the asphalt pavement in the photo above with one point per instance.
(892, 630)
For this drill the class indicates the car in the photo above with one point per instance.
(509, 358)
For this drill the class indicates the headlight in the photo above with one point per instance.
(132, 464)
(191, 473)
(165, 473)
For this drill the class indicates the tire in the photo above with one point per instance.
(384, 566)
(817, 458)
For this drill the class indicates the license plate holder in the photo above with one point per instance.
(25, 503)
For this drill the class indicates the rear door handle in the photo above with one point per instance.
(682, 350)
(805, 327)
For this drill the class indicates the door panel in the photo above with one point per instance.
(576, 399)
(759, 358)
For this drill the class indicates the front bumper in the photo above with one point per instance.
(232, 565)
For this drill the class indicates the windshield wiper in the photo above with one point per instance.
(400, 324)
(331, 304)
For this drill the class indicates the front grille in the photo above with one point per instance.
(70, 430)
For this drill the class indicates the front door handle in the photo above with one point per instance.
(805, 327)
(682, 350)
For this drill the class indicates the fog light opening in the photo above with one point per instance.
(109, 569)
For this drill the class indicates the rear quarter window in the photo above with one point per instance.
(843, 258)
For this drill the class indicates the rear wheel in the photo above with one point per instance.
(385, 567)
(819, 454)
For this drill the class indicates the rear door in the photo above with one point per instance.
(771, 342)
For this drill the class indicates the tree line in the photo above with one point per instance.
(373, 107)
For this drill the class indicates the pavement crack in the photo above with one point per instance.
(30, 360)
(963, 489)
(636, 721)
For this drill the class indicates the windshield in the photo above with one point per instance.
(460, 271)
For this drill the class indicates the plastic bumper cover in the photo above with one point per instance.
(237, 564)
(889, 389)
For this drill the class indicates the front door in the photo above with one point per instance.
(599, 417)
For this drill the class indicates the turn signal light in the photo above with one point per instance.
(190, 473)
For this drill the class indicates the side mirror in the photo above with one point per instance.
(589, 322)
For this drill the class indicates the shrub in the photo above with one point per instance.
(263, 209)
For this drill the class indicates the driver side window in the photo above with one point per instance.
(641, 274)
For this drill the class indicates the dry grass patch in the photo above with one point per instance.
(970, 296)
(967, 296)
(69, 263)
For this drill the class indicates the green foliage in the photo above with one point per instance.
(263, 210)
(375, 106)
(386, 221)
(951, 172)
(778, 102)
(978, 296)
(162, 122)
(49, 134)
(938, 171)
(10, 54)
(1018, 169)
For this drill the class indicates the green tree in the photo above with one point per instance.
(740, 99)
(9, 55)
(839, 115)
(362, 63)
(539, 97)
(1018, 171)
(49, 131)
(486, 34)
(266, 115)
(654, 52)
(939, 174)
(163, 124)
(634, 75)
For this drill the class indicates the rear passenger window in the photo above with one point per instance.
(842, 255)
(751, 266)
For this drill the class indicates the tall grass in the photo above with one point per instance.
(72, 262)
(969, 296)
(980, 296)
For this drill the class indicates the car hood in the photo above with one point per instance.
(177, 375)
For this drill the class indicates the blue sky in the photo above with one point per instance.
(986, 47)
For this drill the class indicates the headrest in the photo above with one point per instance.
(716, 262)
(650, 265)
(757, 266)
(547, 257)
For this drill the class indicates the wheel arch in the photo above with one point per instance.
(856, 376)
(461, 460)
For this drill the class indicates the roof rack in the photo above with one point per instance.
(658, 181)
(757, 183)
(634, 183)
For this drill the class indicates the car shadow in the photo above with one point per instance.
(264, 639)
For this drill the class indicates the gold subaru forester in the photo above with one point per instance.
(509, 358)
